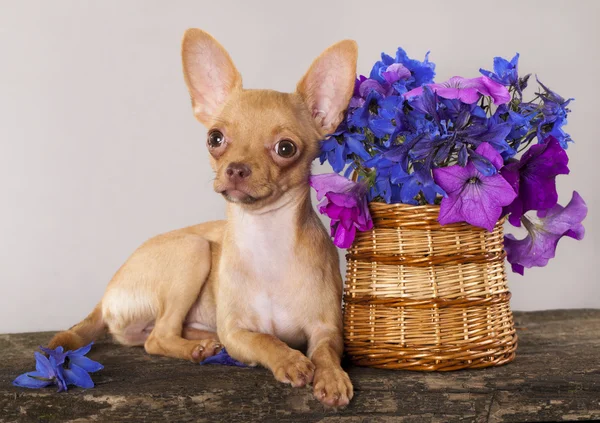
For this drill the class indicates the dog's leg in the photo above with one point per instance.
(287, 364)
(198, 334)
(166, 339)
(193, 264)
(331, 384)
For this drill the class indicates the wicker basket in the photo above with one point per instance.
(421, 296)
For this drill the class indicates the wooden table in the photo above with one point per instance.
(556, 376)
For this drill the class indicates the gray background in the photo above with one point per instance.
(99, 149)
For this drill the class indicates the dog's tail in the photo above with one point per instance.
(84, 332)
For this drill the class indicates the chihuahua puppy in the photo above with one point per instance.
(265, 281)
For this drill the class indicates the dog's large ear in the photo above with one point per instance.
(209, 74)
(328, 85)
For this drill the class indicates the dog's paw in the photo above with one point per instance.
(295, 369)
(69, 340)
(332, 387)
(205, 348)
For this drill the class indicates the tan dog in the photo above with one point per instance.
(267, 278)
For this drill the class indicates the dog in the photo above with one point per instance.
(265, 282)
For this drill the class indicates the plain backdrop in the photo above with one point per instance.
(100, 151)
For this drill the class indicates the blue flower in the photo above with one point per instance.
(456, 107)
(547, 117)
(452, 126)
(521, 128)
(554, 110)
(222, 357)
(421, 72)
(488, 131)
(340, 145)
(385, 170)
(47, 372)
(394, 183)
(60, 368)
(375, 114)
(505, 72)
(376, 110)
(422, 180)
(333, 152)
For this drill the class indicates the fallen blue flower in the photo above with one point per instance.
(222, 357)
(60, 368)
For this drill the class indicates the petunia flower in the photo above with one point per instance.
(467, 90)
(346, 205)
(534, 178)
(539, 245)
(472, 196)
(60, 368)
(395, 72)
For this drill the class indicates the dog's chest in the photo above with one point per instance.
(267, 251)
(266, 245)
(271, 315)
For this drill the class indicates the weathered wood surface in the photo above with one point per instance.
(556, 376)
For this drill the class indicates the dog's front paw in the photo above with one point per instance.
(332, 387)
(205, 348)
(295, 369)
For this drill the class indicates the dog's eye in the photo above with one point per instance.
(285, 148)
(215, 139)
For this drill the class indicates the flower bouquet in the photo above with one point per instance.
(430, 173)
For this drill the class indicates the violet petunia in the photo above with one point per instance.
(473, 197)
(346, 205)
(539, 245)
(534, 178)
(467, 90)
(395, 72)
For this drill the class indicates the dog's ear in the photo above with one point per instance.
(328, 85)
(209, 74)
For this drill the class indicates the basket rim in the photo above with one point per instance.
(425, 216)
(421, 207)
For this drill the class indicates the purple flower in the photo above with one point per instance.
(473, 197)
(395, 72)
(534, 178)
(365, 86)
(346, 205)
(60, 368)
(390, 84)
(467, 90)
(539, 245)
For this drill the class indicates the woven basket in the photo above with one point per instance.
(421, 296)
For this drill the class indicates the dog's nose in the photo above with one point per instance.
(237, 171)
